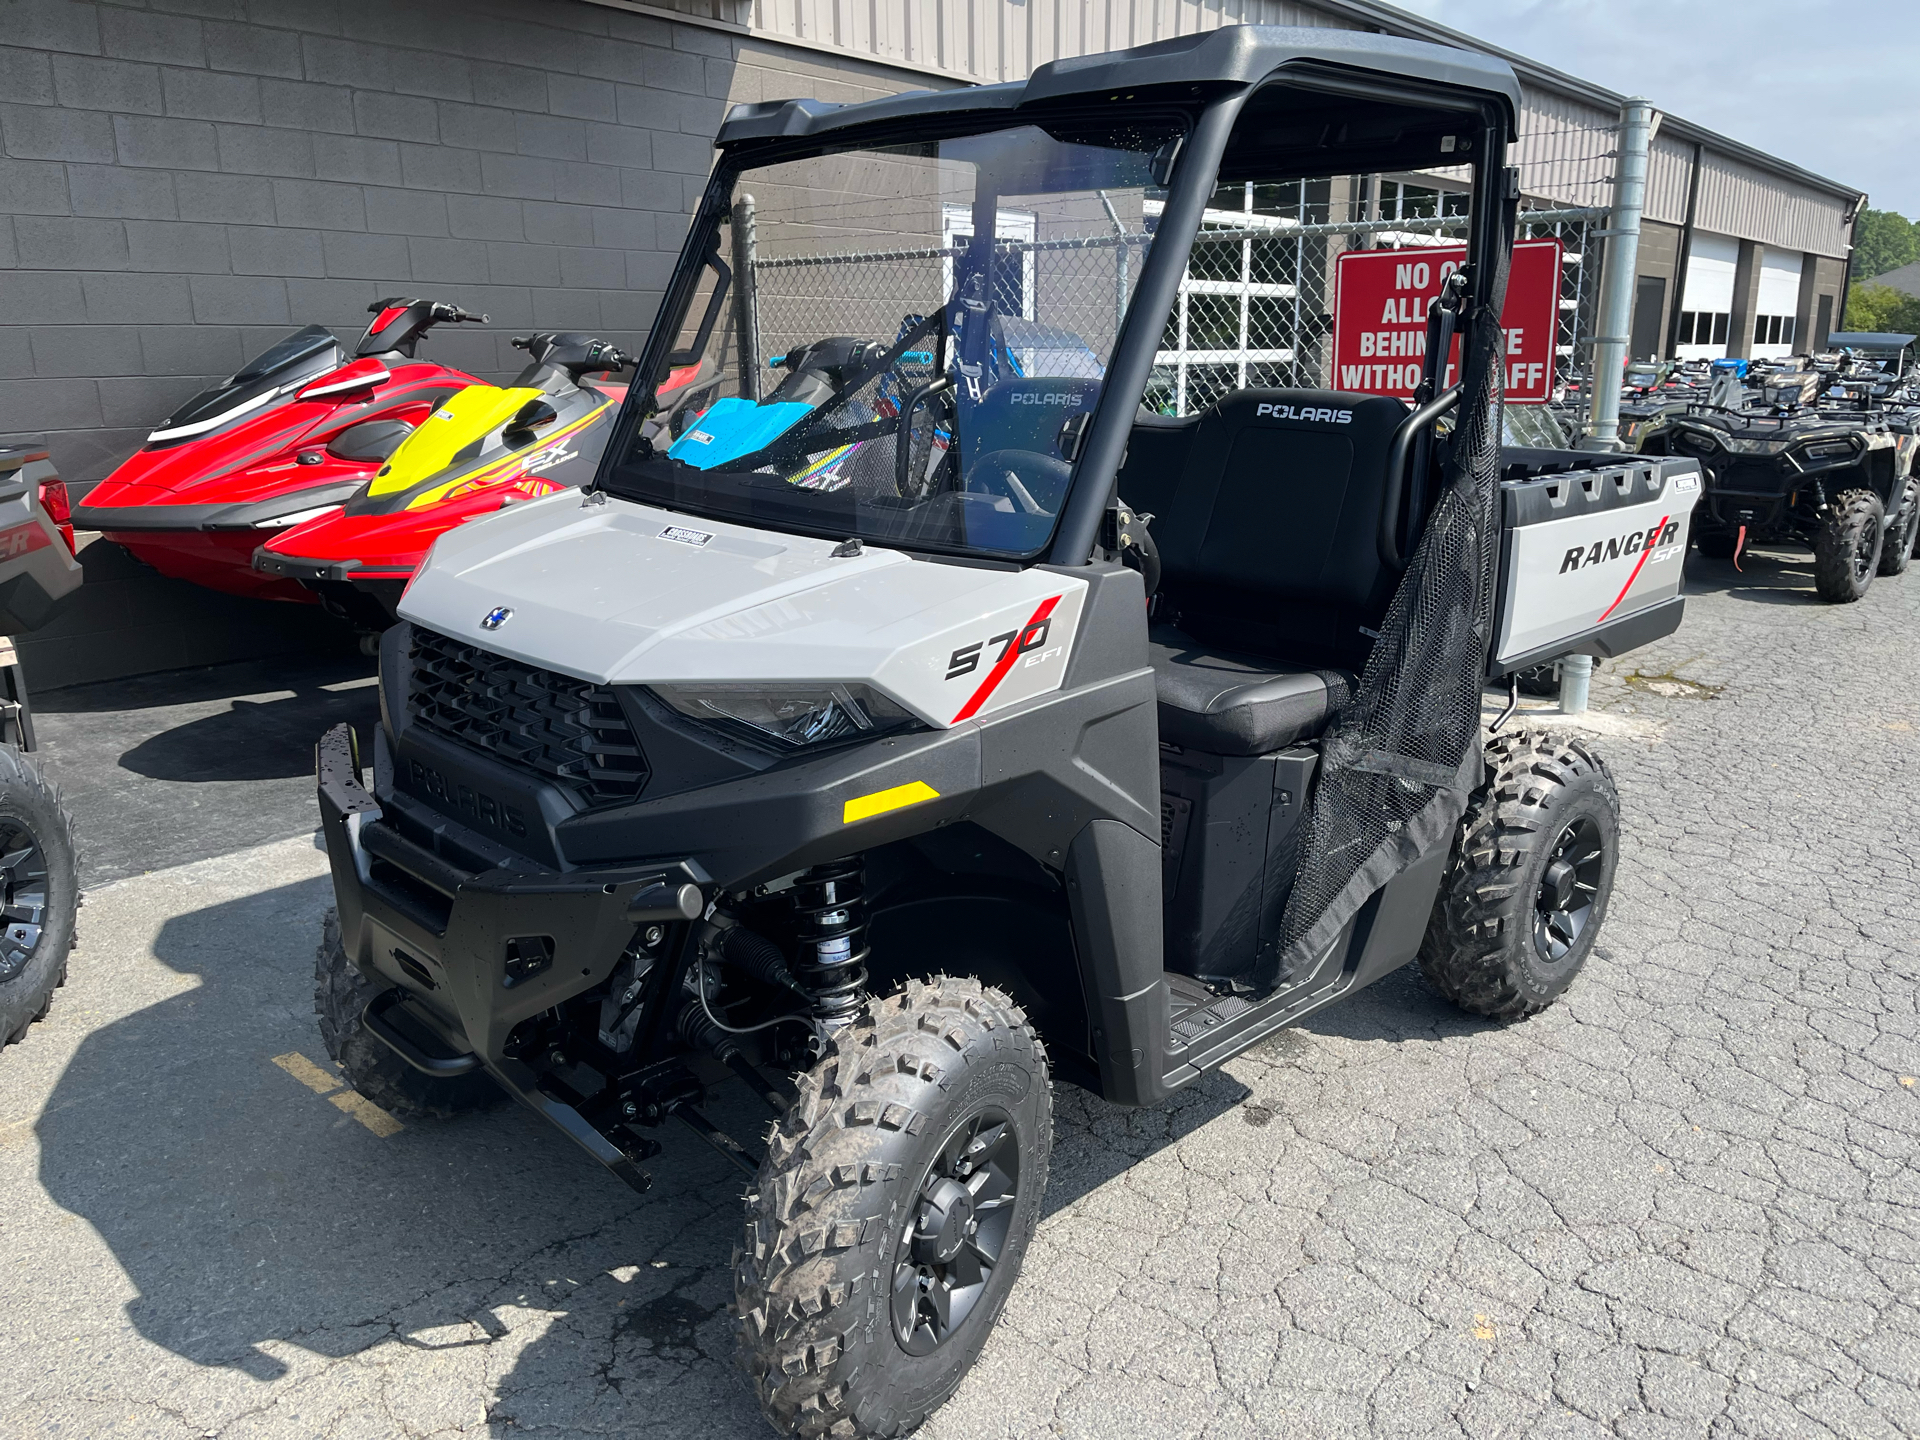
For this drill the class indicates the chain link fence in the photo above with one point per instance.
(1255, 307)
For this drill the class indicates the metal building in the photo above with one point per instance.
(182, 190)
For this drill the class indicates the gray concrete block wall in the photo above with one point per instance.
(186, 180)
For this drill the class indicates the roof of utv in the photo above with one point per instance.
(1234, 55)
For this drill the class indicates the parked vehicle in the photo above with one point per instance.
(486, 448)
(1839, 484)
(293, 434)
(702, 773)
(39, 879)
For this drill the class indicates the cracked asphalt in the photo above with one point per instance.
(1683, 1202)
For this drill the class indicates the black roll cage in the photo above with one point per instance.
(1210, 118)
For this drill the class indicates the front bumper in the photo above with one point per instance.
(419, 918)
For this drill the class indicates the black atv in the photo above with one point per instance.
(1837, 483)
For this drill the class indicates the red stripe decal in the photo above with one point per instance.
(1005, 662)
(1658, 531)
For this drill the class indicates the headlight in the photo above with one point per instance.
(1741, 446)
(794, 716)
(1828, 450)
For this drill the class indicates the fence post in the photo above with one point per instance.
(1615, 318)
(746, 297)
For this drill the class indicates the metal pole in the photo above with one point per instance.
(1576, 673)
(746, 296)
(1615, 320)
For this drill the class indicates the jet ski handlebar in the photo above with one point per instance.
(576, 354)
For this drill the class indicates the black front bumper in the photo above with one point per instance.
(415, 918)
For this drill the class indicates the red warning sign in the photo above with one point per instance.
(1380, 319)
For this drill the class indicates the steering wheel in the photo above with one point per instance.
(1035, 483)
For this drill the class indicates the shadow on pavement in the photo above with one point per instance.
(253, 739)
(252, 1215)
(160, 770)
(1765, 577)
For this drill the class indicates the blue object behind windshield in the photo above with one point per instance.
(734, 427)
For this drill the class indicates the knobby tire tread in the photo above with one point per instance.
(29, 996)
(340, 993)
(1468, 952)
(818, 1225)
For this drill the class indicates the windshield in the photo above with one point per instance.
(904, 344)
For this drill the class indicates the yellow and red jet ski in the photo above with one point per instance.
(484, 448)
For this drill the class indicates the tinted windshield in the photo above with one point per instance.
(911, 341)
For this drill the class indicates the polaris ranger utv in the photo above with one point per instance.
(849, 737)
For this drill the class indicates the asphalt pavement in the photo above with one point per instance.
(1683, 1202)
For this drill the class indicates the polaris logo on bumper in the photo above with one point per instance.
(1632, 543)
(1303, 412)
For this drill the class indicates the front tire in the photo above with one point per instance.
(1896, 551)
(1846, 552)
(340, 994)
(39, 893)
(1527, 888)
(1715, 544)
(889, 1219)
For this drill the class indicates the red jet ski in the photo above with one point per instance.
(291, 435)
(485, 449)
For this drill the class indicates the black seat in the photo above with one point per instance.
(1229, 704)
(1267, 517)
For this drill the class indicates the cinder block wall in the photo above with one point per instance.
(186, 180)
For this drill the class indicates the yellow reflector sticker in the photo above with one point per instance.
(880, 802)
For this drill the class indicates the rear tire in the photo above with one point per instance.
(1896, 551)
(1846, 553)
(863, 1190)
(1526, 890)
(340, 993)
(39, 887)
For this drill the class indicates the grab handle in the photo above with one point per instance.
(1398, 453)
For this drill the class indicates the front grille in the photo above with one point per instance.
(567, 731)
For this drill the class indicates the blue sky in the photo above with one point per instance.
(1831, 87)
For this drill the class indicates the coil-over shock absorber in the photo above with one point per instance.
(830, 915)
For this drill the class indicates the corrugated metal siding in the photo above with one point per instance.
(1739, 199)
(995, 40)
(1669, 170)
(1566, 143)
(1565, 148)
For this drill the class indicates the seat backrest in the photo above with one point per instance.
(1268, 534)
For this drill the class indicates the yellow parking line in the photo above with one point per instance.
(367, 1113)
(307, 1073)
(348, 1102)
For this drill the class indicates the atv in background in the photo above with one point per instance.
(1839, 484)
(846, 677)
(39, 875)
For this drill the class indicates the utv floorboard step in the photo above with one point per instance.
(1198, 1010)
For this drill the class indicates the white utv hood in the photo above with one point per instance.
(620, 593)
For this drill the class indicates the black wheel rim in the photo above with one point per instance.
(1865, 553)
(956, 1231)
(23, 888)
(1569, 889)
